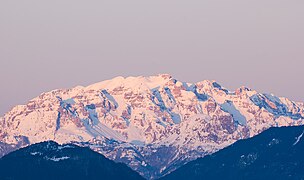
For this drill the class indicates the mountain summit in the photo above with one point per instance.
(154, 124)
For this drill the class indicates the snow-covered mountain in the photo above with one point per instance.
(154, 124)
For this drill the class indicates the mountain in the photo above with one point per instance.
(49, 161)
(153, 124)
(274, 154)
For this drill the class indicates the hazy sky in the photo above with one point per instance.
(46, 45)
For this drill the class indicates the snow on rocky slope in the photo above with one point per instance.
(154, 124)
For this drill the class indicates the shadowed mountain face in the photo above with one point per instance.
(275, 154)
(50, 161)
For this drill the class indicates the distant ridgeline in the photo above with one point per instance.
(50, 161)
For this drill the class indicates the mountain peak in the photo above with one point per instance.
(165, 76)
(132, 82)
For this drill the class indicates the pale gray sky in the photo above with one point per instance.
(46, 45)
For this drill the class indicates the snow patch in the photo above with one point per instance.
(298, 139)
(273, 142)
(229, 107)
(65, 147)
(175, 117)
(56, 159)
(36, 153)
(109, 97)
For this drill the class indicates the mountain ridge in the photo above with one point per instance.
(141, 120)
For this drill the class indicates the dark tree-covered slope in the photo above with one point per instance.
(277, 153)
(50, 161)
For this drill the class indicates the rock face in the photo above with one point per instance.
(274, 154)
(154, 124)
(49, 161)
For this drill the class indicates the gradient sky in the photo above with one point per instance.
(46, 45)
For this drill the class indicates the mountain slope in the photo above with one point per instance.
(49, 161)
(154, 124)
(274, 154)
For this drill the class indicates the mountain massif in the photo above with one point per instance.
(153, 124)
